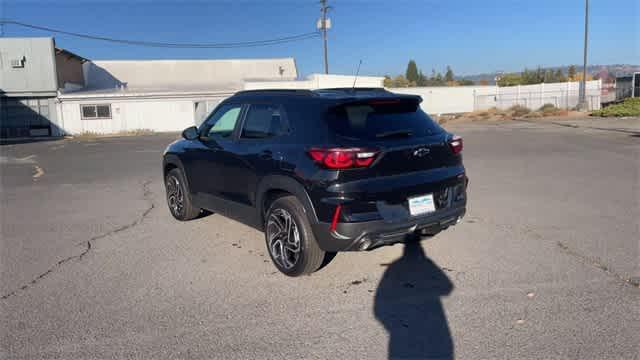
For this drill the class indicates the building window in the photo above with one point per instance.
(92, 112)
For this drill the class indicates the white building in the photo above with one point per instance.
(319, 81)
(170, 95)
(159, 95)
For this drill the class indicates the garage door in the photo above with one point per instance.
(24, 117)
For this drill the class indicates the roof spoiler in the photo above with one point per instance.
(392, 99)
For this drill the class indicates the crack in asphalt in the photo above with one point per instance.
(146, 194)
(591, 261)
(576, 126)
(597, 263)
(626, 131)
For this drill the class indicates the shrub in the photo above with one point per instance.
(629, 107)
(519, 110)
(533, 114)
(548, 108)
(93, 135)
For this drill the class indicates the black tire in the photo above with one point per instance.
(309, 255)
(177, 189)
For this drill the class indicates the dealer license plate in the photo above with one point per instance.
(421, 205)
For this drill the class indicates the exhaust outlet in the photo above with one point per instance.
(365, 244)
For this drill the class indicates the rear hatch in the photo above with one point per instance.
(404, 138)
(414, 156)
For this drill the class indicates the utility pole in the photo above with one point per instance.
(582, 103)
(323, 25)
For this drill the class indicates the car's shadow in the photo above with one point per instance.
(407, 303)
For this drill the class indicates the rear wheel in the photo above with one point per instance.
(290, 241)
(178, 197)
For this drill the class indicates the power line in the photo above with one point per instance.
(228, 45)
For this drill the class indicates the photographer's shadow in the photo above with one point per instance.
(408, 304)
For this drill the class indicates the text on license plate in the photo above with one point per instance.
(421, 204)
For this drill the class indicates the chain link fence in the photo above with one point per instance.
(561, 95)
(560, 99)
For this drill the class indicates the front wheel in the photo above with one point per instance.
(178, 197)
(290, 241)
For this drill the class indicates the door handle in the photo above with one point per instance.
(266, 155)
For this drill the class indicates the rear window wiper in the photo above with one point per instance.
(405, 132)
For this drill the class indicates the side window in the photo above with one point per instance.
(223, 121)
(264, 121)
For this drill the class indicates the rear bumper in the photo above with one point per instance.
(368, 235)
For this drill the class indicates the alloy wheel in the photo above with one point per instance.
(175, 196)
(283, 238)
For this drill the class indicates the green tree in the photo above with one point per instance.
(530, 77)
(388, 82)
(559, 76)
(571, 73)
(466, 82)
(525, 77)
(439, 81)
(412, 72)
(539, 75)
(510, 80)
(448, 76)
(422, 80)
(400, 81)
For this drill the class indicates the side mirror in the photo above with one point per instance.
(190, 133)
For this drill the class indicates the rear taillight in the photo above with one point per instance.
(456, 144)
(343, 158)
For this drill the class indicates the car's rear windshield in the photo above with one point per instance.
(379, 121)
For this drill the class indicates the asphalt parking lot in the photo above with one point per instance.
(545, 264)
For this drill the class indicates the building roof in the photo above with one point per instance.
(185, 74)
(120, 93)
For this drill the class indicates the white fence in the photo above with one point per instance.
(447, 100)
(562, 95)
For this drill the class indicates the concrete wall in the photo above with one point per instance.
(446, 100)
(323, 81)
(317, 81)
(292, 84)
(443, 100)
(170, 113)
(188, 74)
(562, 95)
(37, 77)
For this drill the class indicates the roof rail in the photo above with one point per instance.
(302, 92)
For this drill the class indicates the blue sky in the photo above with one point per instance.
(471, 36)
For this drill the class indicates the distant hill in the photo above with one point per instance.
(601, 70)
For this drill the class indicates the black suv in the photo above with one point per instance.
(320, 171)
